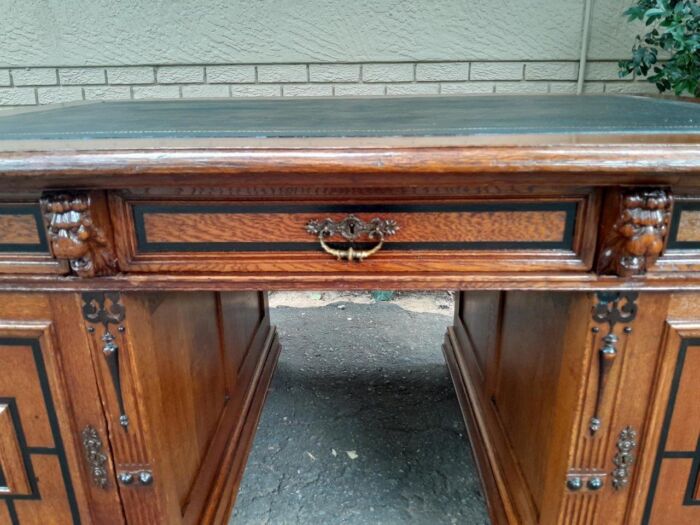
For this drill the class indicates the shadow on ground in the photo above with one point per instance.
(361, 425)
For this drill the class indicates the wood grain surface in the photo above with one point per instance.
(660, 163)
(544, 232)
(689, 226)
(504, 226)
(11, 461)
(18, 229)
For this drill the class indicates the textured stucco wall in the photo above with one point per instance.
(128, 32)
(62, 50)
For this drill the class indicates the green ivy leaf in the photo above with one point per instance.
(674, 28)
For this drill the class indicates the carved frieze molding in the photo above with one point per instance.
(74, 236)
(635, 235)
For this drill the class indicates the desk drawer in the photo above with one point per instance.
(455, 235)
(23, 244)
(682, 251)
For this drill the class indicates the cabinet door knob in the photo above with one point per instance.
(574, 484)
(126, 478)
(145, 477)
(595, 484)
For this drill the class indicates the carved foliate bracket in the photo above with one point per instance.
(74, 236)
(639, 220)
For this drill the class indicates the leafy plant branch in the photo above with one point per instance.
(674, 33)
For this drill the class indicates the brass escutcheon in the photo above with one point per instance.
(351, 228)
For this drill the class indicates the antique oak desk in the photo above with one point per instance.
(138, 239)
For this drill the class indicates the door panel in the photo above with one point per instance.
(673, 455)
(38, 464)
(48, 399)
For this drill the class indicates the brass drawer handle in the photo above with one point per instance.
(351, 228)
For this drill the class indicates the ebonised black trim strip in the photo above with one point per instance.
(678, 454)
(693, 479)
(673, 243)
(58, 449)
(14, 519)
(144, 246)
(26, 209)
(11, 402)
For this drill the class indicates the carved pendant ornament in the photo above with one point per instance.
(638, 235)
(105, 308)
(612, 308)
(73, 235)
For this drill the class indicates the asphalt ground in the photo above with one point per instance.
(361, 425)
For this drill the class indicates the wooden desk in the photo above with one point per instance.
(137, 240)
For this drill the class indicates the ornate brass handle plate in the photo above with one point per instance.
(95, 456)
(352, 228)
(626, 443)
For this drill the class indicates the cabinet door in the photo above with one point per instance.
(669, 467)
(45, 476)
(183, 377)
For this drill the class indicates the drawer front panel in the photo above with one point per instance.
(21, 229)
(684, 233)
(23, 244)
(421, 227)
(682, 251)
(456, 235)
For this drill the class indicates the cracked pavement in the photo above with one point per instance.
(361, 425)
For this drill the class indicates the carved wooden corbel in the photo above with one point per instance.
(74, 236)
(634, 231)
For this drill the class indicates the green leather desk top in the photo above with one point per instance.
(356, 117)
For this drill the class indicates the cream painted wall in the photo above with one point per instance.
(130, 32)
(54, 51)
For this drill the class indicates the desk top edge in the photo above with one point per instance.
(441, 120)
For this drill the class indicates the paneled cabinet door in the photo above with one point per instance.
(54, 467)
(669, 468)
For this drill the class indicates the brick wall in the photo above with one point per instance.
(66, 50)
(30, 86)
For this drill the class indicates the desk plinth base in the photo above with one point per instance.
(497, 498)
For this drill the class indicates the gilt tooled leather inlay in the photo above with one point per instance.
(73, 235)
(638, 236)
